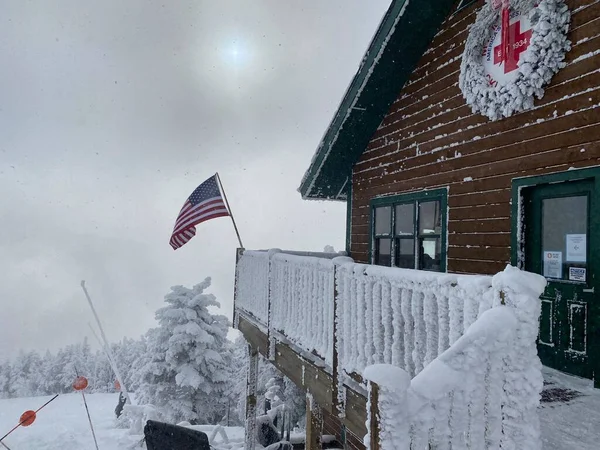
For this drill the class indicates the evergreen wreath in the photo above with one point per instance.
(543, 58)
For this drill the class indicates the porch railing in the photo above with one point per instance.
(353, 316)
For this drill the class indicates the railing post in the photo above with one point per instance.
(336, 401)
(314, 424)
(387, 387)
(250, 429)
(270, 337)
(373, 414)
(337, 407)
(238, 254)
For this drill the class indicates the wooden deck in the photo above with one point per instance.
(308, 373)
(569, 412)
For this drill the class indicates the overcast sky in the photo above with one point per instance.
(112, 112)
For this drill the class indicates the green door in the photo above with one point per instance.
(560, 232)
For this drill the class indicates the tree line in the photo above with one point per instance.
(186, 368)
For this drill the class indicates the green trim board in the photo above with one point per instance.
(349, 222)
(404, 34)
(440, 195)
(546, 210)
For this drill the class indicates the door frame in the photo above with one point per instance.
(518, 242)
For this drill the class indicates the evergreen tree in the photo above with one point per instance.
(186, 374)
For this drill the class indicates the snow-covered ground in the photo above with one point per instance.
(63, 425)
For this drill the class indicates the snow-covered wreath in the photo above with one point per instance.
(544, 56)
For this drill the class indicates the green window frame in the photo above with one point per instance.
(410, 230)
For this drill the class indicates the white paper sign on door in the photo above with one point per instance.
(577, 273)
(576, 247)
(553, 264)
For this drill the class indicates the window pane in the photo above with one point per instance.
(405, 219)
(383, 220)
(405, 253)
(430, 254)
(383, 253)
(430, 218)
(564, 237)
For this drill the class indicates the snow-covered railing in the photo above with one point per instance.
(481, 393)
(403, 317)
(252, 284)
(302, 289)
(291, 293)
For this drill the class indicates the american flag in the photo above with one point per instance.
(205, 203)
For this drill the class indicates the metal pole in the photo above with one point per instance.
(229, 209)
(108, 349)
(90, 420)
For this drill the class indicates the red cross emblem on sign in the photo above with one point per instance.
(518, 43)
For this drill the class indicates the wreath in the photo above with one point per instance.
(537, 65)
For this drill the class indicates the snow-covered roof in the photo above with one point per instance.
(401, 39)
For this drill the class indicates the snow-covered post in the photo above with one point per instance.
(270, 337)
(314, 424)
(521, 291)
(238, 255)
(387, 408)
(250, 429)
(338, 406)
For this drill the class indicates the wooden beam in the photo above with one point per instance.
(374, 417)
(314, 424)
(250, 428)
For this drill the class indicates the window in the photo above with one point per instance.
(409, 231)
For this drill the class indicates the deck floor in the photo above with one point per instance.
(569, 413)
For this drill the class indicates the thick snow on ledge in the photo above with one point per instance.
(388, 376)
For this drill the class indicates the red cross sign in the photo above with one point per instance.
(517, 44)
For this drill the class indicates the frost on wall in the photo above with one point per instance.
(538, 64)
(482, 392)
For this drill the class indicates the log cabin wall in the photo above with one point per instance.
(430, 138)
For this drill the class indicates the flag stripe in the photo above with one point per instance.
(179, 240)
(192, 220)
(191, 210)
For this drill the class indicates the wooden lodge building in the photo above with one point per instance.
(432, 183)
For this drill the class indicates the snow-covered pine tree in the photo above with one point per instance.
(186, 376)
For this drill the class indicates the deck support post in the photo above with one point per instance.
(373, 415)
(314, 424)
(250, 429)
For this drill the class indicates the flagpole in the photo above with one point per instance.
(229, 209)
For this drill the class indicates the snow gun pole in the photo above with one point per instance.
(25, 419)
(111, 357)
(229, 209)
(103, 347)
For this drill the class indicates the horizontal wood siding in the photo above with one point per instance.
(430, 138)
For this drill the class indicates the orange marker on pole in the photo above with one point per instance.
(26, 419)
